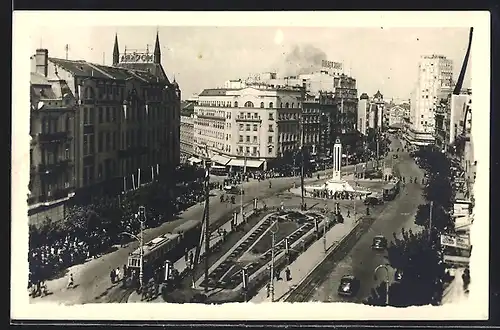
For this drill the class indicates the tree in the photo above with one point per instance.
(441, 221)
(417, 257)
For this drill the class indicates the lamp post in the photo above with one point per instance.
(386, 281)
(273, 229)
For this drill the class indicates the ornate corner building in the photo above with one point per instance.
(94, 127)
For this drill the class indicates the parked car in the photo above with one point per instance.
(373, 200)
(349, 286)
(379, 243)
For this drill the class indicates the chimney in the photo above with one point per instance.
(42, 61)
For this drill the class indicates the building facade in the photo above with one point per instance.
(127, 117)
(187, 131)
(435, 73)
(363, 113)
(52, 146)
(396, 116)
(247, 127)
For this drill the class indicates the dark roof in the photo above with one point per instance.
(121, 72)
(154, 69)
(364, 96)
(214, 92)
(378, 95)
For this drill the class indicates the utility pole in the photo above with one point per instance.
(301, 123)
(142, 219)
(324, 234)
(207, 223)
(241, 203)
(430, 220)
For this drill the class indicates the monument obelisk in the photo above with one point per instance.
(337, 160)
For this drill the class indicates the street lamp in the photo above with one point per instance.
(386, 281)
(273, 229)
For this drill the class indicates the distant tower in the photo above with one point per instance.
(116, 52)
(157, 53)
(337, 160)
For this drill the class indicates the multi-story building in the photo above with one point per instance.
(247, 127)
(435, 74)
(363, 113)
(187, 130)
(396, 115)
(52, 182)
(127, 116)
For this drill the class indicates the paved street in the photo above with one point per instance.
(362, 261)
(92, 278)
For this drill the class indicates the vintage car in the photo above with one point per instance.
(379, 243)
(349, 286)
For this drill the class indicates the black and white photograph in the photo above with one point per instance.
(202, 166)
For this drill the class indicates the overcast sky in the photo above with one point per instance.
(384, 59)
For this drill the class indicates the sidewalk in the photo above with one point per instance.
(306, 261)
(455, 293)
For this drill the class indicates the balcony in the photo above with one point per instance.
(55, 196)
(248, 119)
(55, 137)
(132, 151)
(211, 117)
(56, 167)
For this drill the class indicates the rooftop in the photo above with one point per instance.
(149, 72)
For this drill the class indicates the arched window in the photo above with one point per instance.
(271, 105)
(248, 104)
(281, 105)
(66, 124)
(235, 104)
(286, 105)
(262, 104)
(292, 105)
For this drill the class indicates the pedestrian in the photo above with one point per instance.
(117, 274)
(288, 274)
(71, 283)
(348, 213)
(112, 276)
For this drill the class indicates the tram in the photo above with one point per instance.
(391, 190)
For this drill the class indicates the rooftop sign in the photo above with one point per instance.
(331, 65)
(136, 57)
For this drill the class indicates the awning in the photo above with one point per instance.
(194, 160)
(221, 160)
(249, 163)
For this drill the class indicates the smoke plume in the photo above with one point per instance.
(301, 59)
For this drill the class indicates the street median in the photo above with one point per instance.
(304, 290)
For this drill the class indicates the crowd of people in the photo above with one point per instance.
(87, 231)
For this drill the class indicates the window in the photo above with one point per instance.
(241, 138)
(271, 116)
(270, 139)
(248, 138)
(254, 150)
(270, 150)
(281, 105)
(271, 129)
(248, 150)
(85, 116)
(292, 104)
(100, 114)
(271, 105)
(262, 104)
(100, 142)
(108, 141)
(255, 127)
(91, 144)
(254, 139)
(286, 105)
(248, 104)
(241, 127)
(240, 149)
(248, 127)
(235, 104)
(91, 116)
(108, 115)
(67, 124)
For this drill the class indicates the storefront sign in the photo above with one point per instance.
(136, 58)
(456, 261)
(331, 65)
(459, 242)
